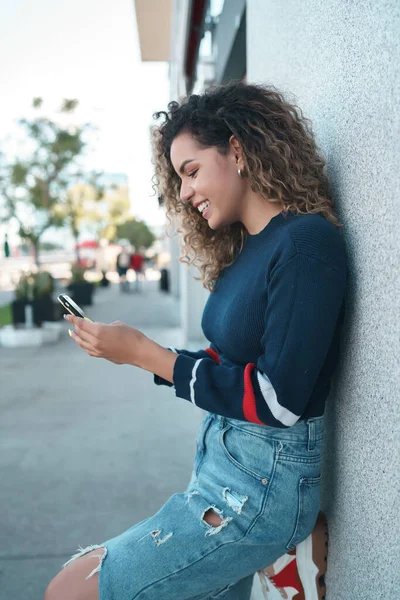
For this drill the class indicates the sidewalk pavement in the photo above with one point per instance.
(87, 448)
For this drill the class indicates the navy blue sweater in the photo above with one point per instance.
(273, 323)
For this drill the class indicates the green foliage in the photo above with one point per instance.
(35, 189)
(24, 287)
(34, 285)
(44, 284)
(66, 145)
(69, 105)
(109, 212)
(5, 315)
(18, 174)
(137, 232)
(77, 273)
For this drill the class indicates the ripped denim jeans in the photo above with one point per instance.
(260, 485)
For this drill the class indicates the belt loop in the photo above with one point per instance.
(311, 435)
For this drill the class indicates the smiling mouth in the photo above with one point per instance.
(203, 206)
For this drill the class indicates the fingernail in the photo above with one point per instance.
(65, 317)
(70, 332)
(87, 319)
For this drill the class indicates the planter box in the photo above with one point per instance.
(10, 337)
(14, 338)
(44, 309)
(18, 311)
(82, 293)
(51, 332)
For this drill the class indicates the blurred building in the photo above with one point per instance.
(339, 61)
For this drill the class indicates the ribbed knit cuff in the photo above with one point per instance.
(182, 376)
(160, 381)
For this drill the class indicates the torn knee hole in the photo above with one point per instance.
(96, 551)
(212, 518)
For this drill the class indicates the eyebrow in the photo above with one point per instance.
(183, 165)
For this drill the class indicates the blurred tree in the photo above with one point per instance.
(35, 187)
(79, 205)
(137, 232)
(104, 217)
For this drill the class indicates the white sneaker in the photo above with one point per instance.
(299, 574)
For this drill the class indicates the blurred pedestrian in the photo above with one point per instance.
(123, 264)
(102, 262)
(137, 266)
(6, 246)
(240, 168)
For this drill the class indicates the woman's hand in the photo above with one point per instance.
(116, 342)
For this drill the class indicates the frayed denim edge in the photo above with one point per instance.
(83, 551)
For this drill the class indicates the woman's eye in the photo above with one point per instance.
(193, 173)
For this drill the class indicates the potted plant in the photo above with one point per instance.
(34, 302)
(80, 289)
(23, 296)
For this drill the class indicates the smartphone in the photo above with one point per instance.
(71, 306)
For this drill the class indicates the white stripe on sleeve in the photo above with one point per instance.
(193, 380)
(280, 413)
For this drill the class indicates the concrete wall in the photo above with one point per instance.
(341, 61)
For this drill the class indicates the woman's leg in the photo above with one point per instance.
(77, 580)
(239, 513)
(186, 550)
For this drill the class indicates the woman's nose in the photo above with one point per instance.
(186, 193)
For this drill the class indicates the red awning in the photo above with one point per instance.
(88, 244)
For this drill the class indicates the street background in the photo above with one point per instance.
(79, 459)
(87, 448)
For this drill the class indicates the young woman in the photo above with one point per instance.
(239, 169)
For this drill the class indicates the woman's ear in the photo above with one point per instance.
(236, 150)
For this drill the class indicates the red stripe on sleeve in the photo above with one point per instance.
(214, 355)
(249, 399)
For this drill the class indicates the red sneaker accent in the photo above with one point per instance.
(300, 573)
(288, 577)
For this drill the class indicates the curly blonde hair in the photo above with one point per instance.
(282, 164)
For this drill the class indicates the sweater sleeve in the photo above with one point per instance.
(304, 299)
(212, 352)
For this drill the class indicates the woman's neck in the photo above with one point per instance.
(257, 212)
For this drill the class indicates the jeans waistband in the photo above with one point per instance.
(309, 430)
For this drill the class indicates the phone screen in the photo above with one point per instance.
(71, 306)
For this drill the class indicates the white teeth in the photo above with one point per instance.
(203, 206)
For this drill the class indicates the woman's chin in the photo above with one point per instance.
(215, 224)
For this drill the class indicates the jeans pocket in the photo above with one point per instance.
(307, 509)
(250, 454)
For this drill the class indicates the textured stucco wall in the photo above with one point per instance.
(340, 62)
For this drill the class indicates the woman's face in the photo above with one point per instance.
(210, 181)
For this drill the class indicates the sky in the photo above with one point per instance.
(88, 50)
